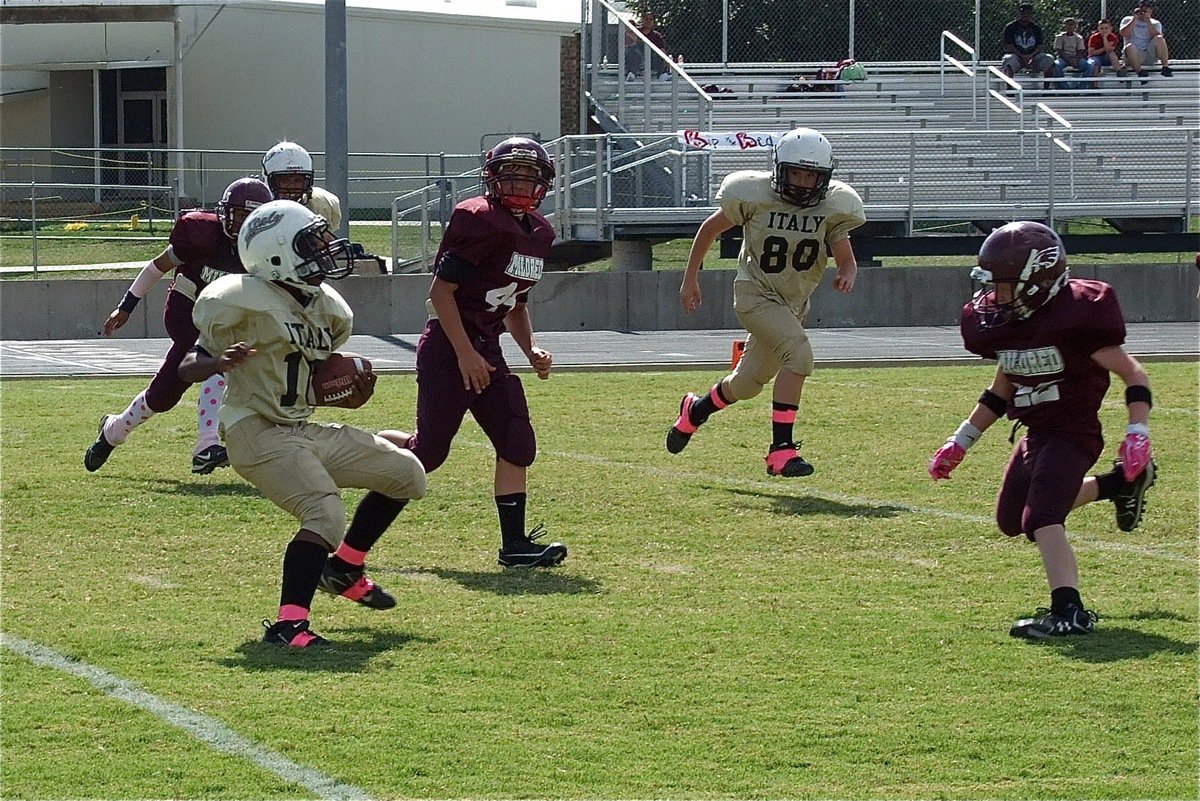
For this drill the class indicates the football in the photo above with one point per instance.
(333, 381)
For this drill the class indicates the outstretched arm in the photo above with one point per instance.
(689, 291)
(150, 275)
(198, 364)
(988, 410)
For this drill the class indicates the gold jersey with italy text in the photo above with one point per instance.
(785, 247)
(290, 339)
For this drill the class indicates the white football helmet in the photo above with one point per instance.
(283, 241)
(808, 150)
(288, 158)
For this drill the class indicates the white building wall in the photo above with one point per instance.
(418, 83)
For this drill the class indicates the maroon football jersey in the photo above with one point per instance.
(494, 258)
(201, 251)
(1048, 357)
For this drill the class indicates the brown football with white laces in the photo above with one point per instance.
(334, 381)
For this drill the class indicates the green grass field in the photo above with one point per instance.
(714, 633)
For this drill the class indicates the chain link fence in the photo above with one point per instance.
(826, 31)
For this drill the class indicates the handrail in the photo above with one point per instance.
(1018, 108)
(679, 76)
(969, 71)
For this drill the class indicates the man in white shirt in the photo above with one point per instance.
(1144, 42)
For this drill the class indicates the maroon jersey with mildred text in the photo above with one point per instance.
(494, 258)
(1048, 357)
(201, 252)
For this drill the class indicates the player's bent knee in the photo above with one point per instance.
(799, 358)
(520, 444)
(744, 387)
(325, 516)
(396, 437)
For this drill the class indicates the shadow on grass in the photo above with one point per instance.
(346, 652)
(810, 505)
(1116, 643)
(514, 582)
(200, 487)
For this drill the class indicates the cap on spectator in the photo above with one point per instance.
(1029, 7)
(1146, 4)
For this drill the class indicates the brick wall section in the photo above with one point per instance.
(569, 85)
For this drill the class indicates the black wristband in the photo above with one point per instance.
(129, 302)
(993, 402)
(1137, 393)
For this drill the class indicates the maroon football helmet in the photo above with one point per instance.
(1027, 261)
(518, 193)
(244, 195)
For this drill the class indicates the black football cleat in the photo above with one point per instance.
(292, 633)
(527, 552)
(99, 451)
(355, 586)
(785, 460)
(1046, 623)
(681, 432)
(209, 459)
(1130, 502)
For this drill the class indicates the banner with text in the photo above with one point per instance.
(736, 140)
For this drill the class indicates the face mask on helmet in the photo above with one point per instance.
(810, 156)
(241, 197)
(285, 242)
(289, 172)
(1022, 266)
(517, 173)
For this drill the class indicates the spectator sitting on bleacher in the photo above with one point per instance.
(1023, 41)
(1071, 52)
(634, 52)
(1144, 41)
(1104, 49)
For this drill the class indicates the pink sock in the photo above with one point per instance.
(292, 612)
(208, 408)
(716, 398)
(118, 427)
(351, 555)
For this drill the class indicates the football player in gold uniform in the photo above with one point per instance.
(791, 218)
(267, 331)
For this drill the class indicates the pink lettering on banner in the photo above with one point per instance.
(693, 138)
(746, 141)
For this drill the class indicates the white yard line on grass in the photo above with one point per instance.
(205, 729)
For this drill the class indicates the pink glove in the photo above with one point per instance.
(948, 457)
(1134, 452)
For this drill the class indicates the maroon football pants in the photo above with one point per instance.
(1040, 484)
(166, 388)
(501, 409)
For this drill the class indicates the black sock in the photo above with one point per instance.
(302, 565)
(374, 514)
(1109, 484)
(781, 433)
(511, 509)
(704, 408)
(1062, 597)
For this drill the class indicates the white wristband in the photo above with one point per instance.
(1138, 428)
(966, 435)
(145, 281)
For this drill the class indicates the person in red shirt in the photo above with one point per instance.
(1104, 50)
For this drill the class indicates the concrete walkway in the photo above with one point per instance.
(591, 350)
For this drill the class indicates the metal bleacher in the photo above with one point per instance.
(926, 144)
